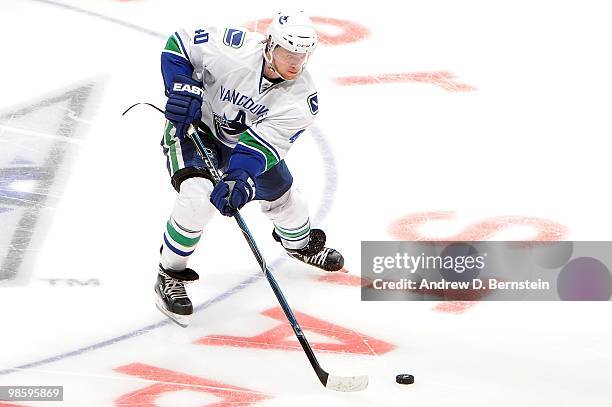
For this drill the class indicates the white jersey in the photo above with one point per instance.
(240, 104)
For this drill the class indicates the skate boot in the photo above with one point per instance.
(315, 253)
(171, 298)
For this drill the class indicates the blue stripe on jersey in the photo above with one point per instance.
(251, 160)
(296, 135)
(263, 64)
(264, 142)
(172, 65)
(178, 37)
(175, 250)
(261, 75)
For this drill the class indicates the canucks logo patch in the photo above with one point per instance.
(230, 127)
(313, 103)
(233, 37)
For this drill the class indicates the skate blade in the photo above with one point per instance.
(181, 320)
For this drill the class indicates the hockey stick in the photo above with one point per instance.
(338, 383)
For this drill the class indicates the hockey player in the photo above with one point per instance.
(251, 97)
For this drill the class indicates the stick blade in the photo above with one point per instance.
(347, 383)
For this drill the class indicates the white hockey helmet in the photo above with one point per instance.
(293, 31)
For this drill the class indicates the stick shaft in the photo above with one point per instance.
(206, 157)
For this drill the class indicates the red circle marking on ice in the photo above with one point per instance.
(349, 31)
(407, 227)
(443, 79)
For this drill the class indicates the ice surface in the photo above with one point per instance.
(446, 115)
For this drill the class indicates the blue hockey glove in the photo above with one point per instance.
(184, 104)
(233, 192)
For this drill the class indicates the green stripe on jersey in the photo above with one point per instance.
(170, 143)
(179, 238)
(173, 45)
(250, 141)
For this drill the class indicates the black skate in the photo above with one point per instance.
(171, 298)
(315, 253)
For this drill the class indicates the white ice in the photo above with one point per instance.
(530, 141)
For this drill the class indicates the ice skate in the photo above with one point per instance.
(171, 297)
(315, 253)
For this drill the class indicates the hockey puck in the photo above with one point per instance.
(404, 379)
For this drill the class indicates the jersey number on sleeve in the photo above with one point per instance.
(200, 37)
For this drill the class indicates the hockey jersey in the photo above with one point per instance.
(258, 118)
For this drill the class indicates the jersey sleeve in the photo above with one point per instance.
(185, 53)
(265, 144)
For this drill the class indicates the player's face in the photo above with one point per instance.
(288, 64)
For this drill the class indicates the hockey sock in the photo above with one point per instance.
(192, 211)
